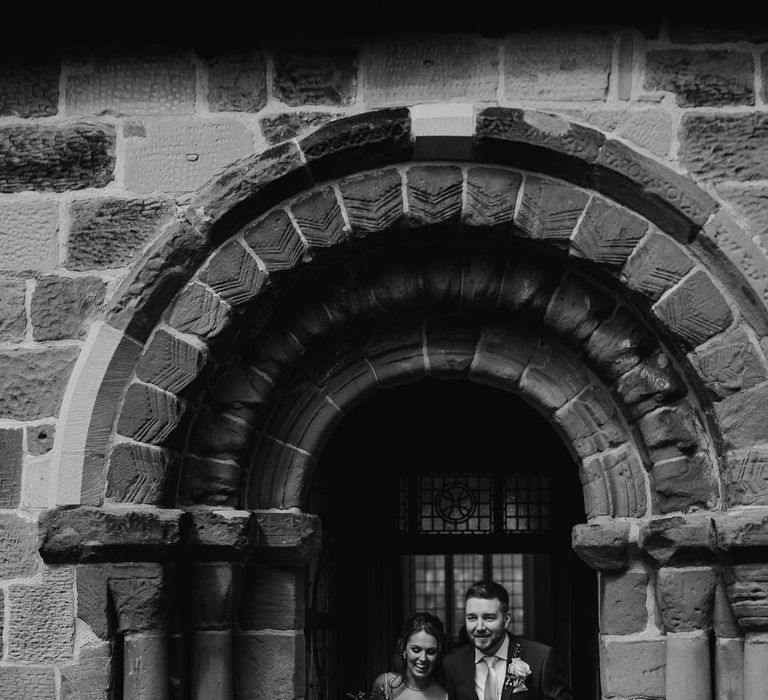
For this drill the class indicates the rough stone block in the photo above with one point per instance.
(742, 417)
(686, 598)
(553, 377)
(13, 315)
(40, 438)
(725, 146)
(272, 665)
(712, 78)
(408, 71)
(619, 343)
(548, 210)
(738, 532)
(110, 232)
(649, 128)
(319, 77)
(141, 603)
(576, 309)
(591, 422)
(170, 362)
(745, 476)
(66, 157)
(633, 669)
(528, 287)
(132, 85)
(149, 414)
(289, 125)
(139, 473)
(220, 436)
(320, 219)
(671, 430)
(62, 307)
(211, 482)
(11, 460)
(747, 586)
(397, 356)
(614, 483)
(28, 682)
(276, 241)
(198, 310)
(29, 88)
(181, 155)
(603, 546)
(41, 622)
(623, 602)
(650, 384)
(19, 556)
(684, 483)
(450, 347)
(90, 677)
(656, 265)
(273, 598)
(33, 381)
(219, 535)
(240, 391)
(750, 206)
(676, 540)
(29, 235)
(607, 234)
(373, 203)
(434, 194)
(491, 197)
(234, 274)
(237, 82)
(730, 363)
(695, 310)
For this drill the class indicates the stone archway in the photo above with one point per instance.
(513, 248)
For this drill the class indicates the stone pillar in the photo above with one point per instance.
(141, 605)
(211, 607)
(729, 649)
(686, 602)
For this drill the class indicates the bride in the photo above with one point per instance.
(418, 662)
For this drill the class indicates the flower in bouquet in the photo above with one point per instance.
(517, 672)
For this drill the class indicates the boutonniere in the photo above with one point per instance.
(517, 672)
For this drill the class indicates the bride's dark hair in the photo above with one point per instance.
(420, 622)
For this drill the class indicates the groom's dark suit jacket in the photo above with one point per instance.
(544, 683)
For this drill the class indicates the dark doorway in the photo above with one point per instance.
(423, 489)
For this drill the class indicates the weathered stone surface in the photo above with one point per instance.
(289, 532)
(725, 146)
(141, 603)
(554, 377)
(41, 622)
(11, 461)
(695, 310)
(320, 219)
(650, 384)
(40, 438)
(747, 587)
(170, 362)
(434, 194)
(221, 436)
(132, 85)
(91, 534)
(13, 315)
(273, 598)
(528, 286)
(548, 210)
(712, 78)
(491, 196)
(741, 417)
(724, 621)
(139, 473)
(240, 391)
(29, 235)
(282, 471)
(149, 414)
(745, 476)
(614, 483)
(686, 598)
(288, 125)
(89, 678)
(33, 381)
(409, 71)
(18, 552)
(482, 274)
(62, 307)
(212, 482)
(29, 87)
(182, 155)
(738, 531)
(591, 421)
(272, 663)
(562, 66)
(607, 234)
(676, 540)
(619, 343)
(360, 142)
(373, 203)
(198, 310)
(649, 128)
(749, 204)
(234, 274)
(276, 241)
(730, 363)
(657, 264)
(221, 535)
(28, 682)
(671, 430)
(684, 483)
(66, 157)
(110, 232)
(671, 201)
(315, 77)
(633, 669)
(603, 546)
(623, 602)
(237, 82)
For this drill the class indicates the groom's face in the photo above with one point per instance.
(486, 623)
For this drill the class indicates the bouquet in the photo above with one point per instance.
(517, 672)
(366, 695)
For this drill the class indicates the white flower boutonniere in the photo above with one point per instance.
(517, 672)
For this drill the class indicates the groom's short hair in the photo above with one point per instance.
(490, 590)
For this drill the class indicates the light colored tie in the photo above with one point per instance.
(490, 680)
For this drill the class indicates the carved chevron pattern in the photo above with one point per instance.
(149, 414)
(169, 362)
(320, 220)
(657, 265)
(276, 241)
(199, 311)
(373, 202)
(607, 234)
(548, 210)
(434, 193)
(491, 196)
(234, 274)
(137, 473)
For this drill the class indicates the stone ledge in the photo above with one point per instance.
(603, 546)
(677, 541)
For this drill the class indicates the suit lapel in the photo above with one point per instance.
(506, 693)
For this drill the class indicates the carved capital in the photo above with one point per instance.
(677, 541)
(686, 598)
(747, 589)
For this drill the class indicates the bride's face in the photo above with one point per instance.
(421, 655)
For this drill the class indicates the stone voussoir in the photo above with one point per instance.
(149, 414)
(170, 362)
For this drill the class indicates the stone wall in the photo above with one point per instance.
(100, 149)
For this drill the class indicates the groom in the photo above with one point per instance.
(495, 665)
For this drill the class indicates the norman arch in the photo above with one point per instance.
(508, 248)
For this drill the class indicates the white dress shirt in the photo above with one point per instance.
(499, 668)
